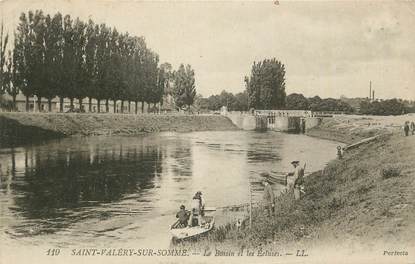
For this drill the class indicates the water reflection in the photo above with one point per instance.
(55, 181)
(112, 189)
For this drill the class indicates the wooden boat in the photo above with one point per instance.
(207, 225)
(278, 178)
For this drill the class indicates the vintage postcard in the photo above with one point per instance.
(207, 131)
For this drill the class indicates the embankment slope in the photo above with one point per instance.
(365, 200)
(18, 128)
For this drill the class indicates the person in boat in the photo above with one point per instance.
(183, 217)
(268, 196)
(198, 206)
(295, 179)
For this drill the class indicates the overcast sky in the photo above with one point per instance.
(329, 48)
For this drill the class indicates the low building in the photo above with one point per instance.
(33, 104)
(56, 105)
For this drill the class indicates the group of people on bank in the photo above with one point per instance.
(409, 127)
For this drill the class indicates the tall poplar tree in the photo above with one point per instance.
(4, 38)
(266, 85)
(80, 69)
(13, 80)
(38, 56)
(184, 90)
(68, 61)
(53, 56)
(91, 33)
(22, 55)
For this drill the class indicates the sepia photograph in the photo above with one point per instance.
(238, 131)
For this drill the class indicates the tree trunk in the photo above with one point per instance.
(90, 104)
(27, 104)
(80, 100)
(14, 102)
(142, 107)
(107, 106)
(71, 103)
(115, 106)
(39, 103)
(122, 106)
(49, 105)
(129, 106)
(61, 104)
(99, 105)
(148, 107)
(136, 107)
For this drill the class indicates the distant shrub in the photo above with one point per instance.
(390, 171)
(386, 107)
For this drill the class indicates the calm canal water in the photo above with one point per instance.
(104, 190)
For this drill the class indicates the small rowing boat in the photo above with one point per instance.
(180, 233)
(278, 179)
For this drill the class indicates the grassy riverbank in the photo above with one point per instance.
(18, 128)
(366, 199)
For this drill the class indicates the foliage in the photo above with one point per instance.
(10, 76)
(53, 54)
(3, 45)
(164, 79)
(390, 171)
(184, 90)
(241, 102)
(331, 104)
(296, 102)
(237, 102)
(266, 85)
(66, 57)
(314, 103)
(409, 106)
(299, 102)
(386, 107)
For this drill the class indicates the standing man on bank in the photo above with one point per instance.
(295, 179)
(268, 196)
(406, 128)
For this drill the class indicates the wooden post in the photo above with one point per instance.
(250, 206)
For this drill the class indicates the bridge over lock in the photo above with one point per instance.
(295, 121)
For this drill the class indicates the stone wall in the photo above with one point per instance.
(283, 124)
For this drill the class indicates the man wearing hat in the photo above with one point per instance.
(198, 205)
(294, 181)
(268, 197)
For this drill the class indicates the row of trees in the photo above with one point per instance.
(296, 101)
(385, 107)
(237, 102)
(60, 56)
